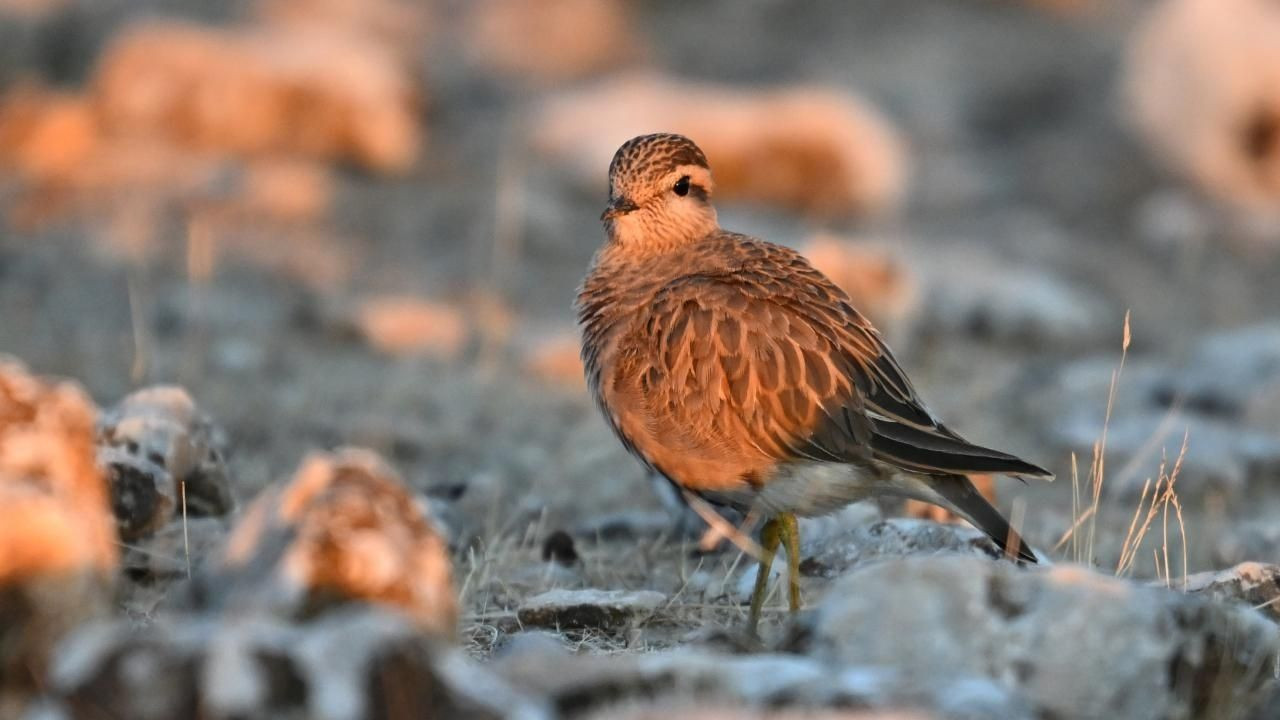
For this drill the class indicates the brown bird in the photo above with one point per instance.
(734, 369)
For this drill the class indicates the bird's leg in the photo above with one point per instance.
(769, 537)
(789, 529)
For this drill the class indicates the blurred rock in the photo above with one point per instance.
(606, 610)
(401, 25)
(877, 279)
(347, 665)
(254, 91)
(858, 545)
(1221, 459)
(164, 458)
(973, 290)
(57, 546)
(345, 528)
(1244, 539)
(1253, 583)
(1074, 643)
(176, 550)
(1203, 88)
(287, 189)
(554, 356)
(45, 133)
(550, 40)
(745, 685)
(818, 150)
(404, 325)
(1227, 373)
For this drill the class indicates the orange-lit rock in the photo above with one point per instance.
(550, 40)
(57, 543)
(556, 358)
(817, 150)
(877, 281)
(405, 325)
(45, 133)
(287, 189)
(1203, 89)
(401, 25)
(350, 530)
(250, 91)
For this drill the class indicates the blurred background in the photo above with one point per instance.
(363, 222)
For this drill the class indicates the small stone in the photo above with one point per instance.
(558, 548)
(1256, 584)
(608, 610)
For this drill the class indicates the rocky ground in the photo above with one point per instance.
(1032, 251)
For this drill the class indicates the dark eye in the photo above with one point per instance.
(682, 186)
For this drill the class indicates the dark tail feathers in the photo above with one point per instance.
(966, 500)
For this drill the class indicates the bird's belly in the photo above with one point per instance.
(816, 488)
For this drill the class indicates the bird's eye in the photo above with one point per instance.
(682, 186)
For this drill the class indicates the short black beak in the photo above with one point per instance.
(619, 206)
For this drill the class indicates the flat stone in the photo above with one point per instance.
(591, 608)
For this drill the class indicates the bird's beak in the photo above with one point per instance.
(619, 206)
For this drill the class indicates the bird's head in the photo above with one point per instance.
(659, 193)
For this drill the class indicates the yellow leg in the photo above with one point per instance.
(769, 537)
(789, 529)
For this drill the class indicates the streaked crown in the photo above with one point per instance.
(645, 159)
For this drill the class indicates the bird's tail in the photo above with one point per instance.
(965, 499)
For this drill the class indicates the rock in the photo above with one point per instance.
(608, 610)
(57, 546)
(1202, 84)
(164, 458)
(1226, 373)
(681, 680)
(1072, 642)
(327, 95)
(350, 664)
(892, 538)
(344, 528)
(401, 325)
(550, 40)
(1221, 458)
(1253, 583)
(1029, 305)
(1248, 538)
(176, 550)
(818, 150)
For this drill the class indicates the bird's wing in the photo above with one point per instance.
(778, 358)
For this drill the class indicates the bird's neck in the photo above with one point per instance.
(648, 233)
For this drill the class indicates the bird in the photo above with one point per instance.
(736, 371)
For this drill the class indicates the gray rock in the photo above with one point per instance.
(599, 686)
(609, 610)
(1241, 541)
(895, 537)
(1255, 584)
(353, 664)
(1221, 458)
(1226, 371)
(1075, 643)
(1028, 304)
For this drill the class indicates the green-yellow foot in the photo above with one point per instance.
(781, 529)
